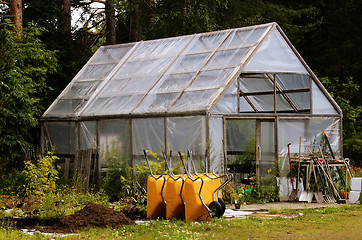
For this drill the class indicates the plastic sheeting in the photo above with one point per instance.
(159, 75)
(88, 135)
(267, 155)
(229, 102)
(216, 146)
(310, 131)
(185, 133)
(240, 133)
(61, 137)
(114, 139)
(86, 82)
(321, 105)
(147, 134)
(275, 55)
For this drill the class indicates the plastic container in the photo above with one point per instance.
(175, 207)
(195, 209)
(156, 204)
(156, 185)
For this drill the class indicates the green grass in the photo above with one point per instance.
(344, 222)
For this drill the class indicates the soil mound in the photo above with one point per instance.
(92, 215)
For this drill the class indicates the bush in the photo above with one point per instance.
(13, 184)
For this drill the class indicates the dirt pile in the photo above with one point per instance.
(92, 215)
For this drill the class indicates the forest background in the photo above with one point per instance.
(41, 55)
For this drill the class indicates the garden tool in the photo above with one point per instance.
(318, 194)
(293, 194)
(327, 197)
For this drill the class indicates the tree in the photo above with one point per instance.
(67, 16)
(25, 63)
(17, 13)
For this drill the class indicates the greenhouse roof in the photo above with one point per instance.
(174, 75)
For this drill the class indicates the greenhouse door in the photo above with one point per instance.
(265, 153)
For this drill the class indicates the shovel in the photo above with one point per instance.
(318, 194)
(307, 195)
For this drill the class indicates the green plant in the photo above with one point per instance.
(41, 177)
(269, 193)
(13, 184)
(118, 183)
(25, 64)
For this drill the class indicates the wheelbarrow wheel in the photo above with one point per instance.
(222, 203)
(215, 209)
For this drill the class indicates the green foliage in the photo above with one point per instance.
(118, 183)
(13, 184)
(67, 202)
(342, 90)
(41, 177)
(25, 64)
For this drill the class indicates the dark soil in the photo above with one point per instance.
(92, 215)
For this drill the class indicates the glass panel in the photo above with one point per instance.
(310, 131)
(300, 129)
(263, 103)
(301, 100)
(283, 104)
(147, 134)
(292, 81)
(257, 83)
(114, 139)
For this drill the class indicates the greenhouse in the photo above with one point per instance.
(241, 94)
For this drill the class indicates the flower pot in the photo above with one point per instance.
(237, 205)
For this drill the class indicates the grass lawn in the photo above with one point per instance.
(343, 222)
